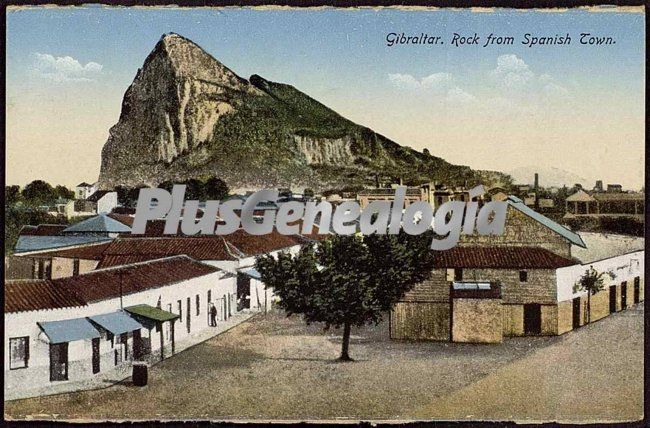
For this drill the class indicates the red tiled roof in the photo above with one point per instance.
(85, 252)
(105, 283)
(122, 218)
(123, 251)
(101, 284)
(37, 294)
(42, 230)
(500, 258)
(111, 260)
(252, 245)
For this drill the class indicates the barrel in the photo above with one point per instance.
(140, 374)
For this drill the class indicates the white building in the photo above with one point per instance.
(83, 190)
(70, 329)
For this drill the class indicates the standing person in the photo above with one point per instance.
(213, 315)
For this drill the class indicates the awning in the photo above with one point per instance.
(150, 315)
(68, 330)
(116, 322)
(251, 272)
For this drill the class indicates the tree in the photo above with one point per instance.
(128, 196)
(591, 282)
(12, 194)
(38, 192)
(308, 193)
(347, 280)
(216, 189)
(63, 192)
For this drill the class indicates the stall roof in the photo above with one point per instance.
(116, 322)
(252, 272)
(68, 330)
(151, 313)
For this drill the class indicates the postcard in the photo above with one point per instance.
(324, 214)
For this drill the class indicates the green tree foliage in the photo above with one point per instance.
(18, 216)
(591, 282)
(38, 192)
(347, 281)
(63, 192)
(216, 189)
(12, 194)
(128, 196)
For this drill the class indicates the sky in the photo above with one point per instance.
(577, 108)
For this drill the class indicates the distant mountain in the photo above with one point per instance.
(548, 176)
(186, 115)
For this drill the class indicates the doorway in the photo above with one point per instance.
(532, 319)
(58, 361)
(188, 317)
(95, 355)
(243, 292)
(612, 299)
(637, 290)
(624, 295)
(576, 312)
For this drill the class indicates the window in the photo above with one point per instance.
(198, 305)
(209, 296)
(180, 311)
(458, 274)
(18, 352)
(75, 267)
(523, 276)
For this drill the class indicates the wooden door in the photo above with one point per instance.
(95, 355)
(188, 316)
(58, 361)
(532, 318)
(612, 299)
(576, 312)
(624, 295)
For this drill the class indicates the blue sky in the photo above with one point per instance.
(459, 102)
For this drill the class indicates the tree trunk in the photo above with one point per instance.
(588, 307)
(345, 356)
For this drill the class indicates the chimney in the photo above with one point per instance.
(599, 186)
(536, 181)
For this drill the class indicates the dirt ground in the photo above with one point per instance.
(278, 368)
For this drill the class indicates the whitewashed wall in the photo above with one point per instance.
(106, 203)
(80, 352)
(625, 267)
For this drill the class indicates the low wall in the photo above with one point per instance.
(477, 320)
(420, 321)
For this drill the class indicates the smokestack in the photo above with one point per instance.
(536, 181)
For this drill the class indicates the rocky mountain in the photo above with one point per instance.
(186, 115)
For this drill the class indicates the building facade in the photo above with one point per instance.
(67, 330)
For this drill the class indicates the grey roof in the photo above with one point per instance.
(95, 197)
(251, 272)
(99, 223)
(519, 205)
(69, 330)
(28, 243)
(116, 322)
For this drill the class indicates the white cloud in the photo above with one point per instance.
(512, 71)
(517, 79)
(457, 95)
(437, 83)
(64, 68)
